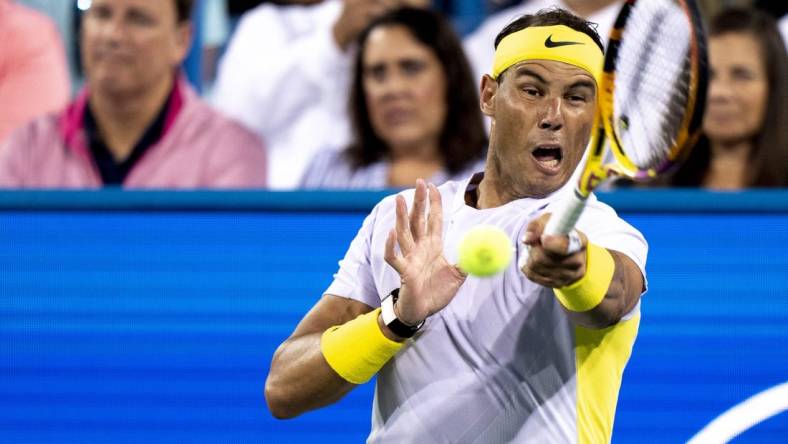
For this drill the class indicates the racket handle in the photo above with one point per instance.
(565, 215)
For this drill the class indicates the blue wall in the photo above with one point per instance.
(152, 317)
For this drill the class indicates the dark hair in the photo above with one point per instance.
(769, 156)
(551, 17)
(463, 139)
(183, 8)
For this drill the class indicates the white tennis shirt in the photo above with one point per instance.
(502, 362)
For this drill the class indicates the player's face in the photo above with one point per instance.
(405, 89)
(129, 46)
(542, 112)
(738, 88)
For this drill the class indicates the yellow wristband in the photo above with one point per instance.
(357, 349)
(589, 291)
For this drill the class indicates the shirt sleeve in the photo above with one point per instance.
(355, 280)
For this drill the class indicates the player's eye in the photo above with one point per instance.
(577, 98)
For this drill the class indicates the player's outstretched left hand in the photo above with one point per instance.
(428, 281)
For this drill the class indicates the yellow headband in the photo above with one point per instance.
(560, 43)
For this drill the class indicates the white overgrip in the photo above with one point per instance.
(565, 215)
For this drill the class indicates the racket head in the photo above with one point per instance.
(594, 171)
(654, 83)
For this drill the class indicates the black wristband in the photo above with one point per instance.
(398, 327)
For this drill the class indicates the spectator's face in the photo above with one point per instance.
(405, 89)
(738, 88)
(542, 112)
(130, 46)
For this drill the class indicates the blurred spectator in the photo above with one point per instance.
(216, 30)
(138, 123)
(745, 141)
(479, 44)
(414, 108)
(33, 72)
(239, 7)
(286, 75)
(62, 14)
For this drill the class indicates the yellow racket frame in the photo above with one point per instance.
(605, 127)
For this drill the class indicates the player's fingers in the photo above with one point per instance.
(404, 236)
(534, 276)
(390, 254)
(417, 217)
(538, 261)
(549, 278)
(561, 268)
(534, 230)
(435, 222)
(558, 245)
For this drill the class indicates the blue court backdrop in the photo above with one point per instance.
(133, 317)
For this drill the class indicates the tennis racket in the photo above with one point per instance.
(651, 99)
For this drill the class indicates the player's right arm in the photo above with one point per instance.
(342, 342)
(300, 379)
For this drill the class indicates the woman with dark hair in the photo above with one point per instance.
(414, 108)
(745, 128)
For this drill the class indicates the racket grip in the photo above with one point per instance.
(565, 215)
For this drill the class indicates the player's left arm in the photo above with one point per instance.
(596, 286)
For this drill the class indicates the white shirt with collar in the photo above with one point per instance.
(501, 362)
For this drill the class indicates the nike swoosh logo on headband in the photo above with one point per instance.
(549, 43)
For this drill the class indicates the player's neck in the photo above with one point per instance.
(492, 191)
(728, 166)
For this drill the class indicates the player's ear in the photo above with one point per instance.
(489, 88)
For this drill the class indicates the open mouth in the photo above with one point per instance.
(548, 157)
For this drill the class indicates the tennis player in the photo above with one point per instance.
(533, 354)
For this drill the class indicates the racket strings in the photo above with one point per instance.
(653, 81)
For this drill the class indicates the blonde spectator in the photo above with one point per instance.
(33, 71)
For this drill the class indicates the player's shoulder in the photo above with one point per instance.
(599, 208)
(600, 219)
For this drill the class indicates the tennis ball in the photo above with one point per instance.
(485, 251)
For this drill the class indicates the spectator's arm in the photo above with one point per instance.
(37, 82)
(266, 78)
